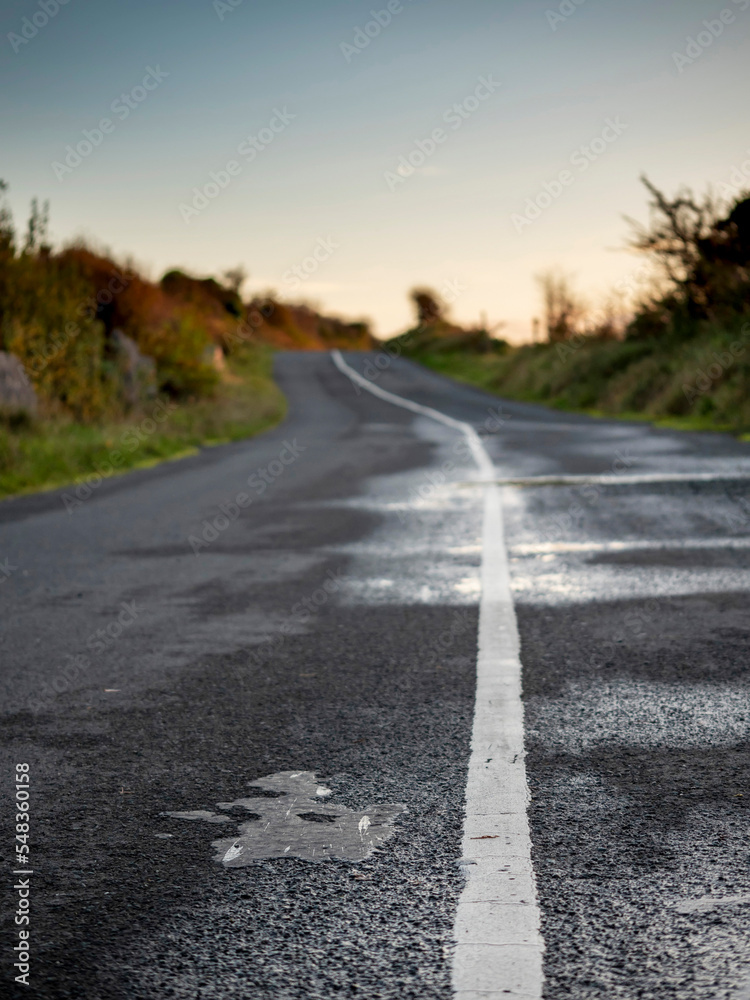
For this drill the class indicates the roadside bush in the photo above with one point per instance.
(45, 323)
(182, 350)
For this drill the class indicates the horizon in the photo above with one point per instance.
(462, 149)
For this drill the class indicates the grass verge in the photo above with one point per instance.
(700, 384)
(50, 453)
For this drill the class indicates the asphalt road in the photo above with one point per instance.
(300, 612)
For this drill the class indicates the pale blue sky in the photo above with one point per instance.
(324, 174)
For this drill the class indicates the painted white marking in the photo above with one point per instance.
(646, 545)
(615, 479)
(499, 945)
(475, 444)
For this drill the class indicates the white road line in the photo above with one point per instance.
(634, 545)
(499, 946)
(478, 452)
(615, 479)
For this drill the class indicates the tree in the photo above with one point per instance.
(235, 278)
(36, 233)
(563, 310)
(7, 233)
(610, 320)
(428, 305)
(701, 247)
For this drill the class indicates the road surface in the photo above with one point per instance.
(294, 620)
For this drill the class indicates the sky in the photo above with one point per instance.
(343, 152)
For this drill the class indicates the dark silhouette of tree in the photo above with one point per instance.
(701, 247)
(36, 233)
(235, 278)
(428, 305)
(563, 310)
(7, 233)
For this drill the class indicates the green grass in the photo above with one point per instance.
(654, 380)
(51, 453)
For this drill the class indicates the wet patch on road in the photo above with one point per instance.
(676, 558)
(299, 823)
